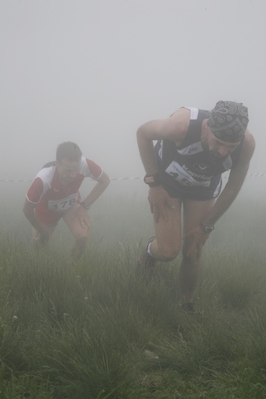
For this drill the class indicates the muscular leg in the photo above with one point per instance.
(80, 233)
(167, 243)
(194, 213)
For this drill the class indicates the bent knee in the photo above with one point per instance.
(168, 253)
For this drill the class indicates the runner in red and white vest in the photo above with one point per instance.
(54, 194)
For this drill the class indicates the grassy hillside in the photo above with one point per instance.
(94, 330)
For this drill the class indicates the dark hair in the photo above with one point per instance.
(68, 150)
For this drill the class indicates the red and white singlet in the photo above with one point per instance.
(52, 199)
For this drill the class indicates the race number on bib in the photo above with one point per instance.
(182, 176)
(64, 204)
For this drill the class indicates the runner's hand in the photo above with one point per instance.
(194, 241)
(159, 201)
(83, 217)
(44, 236)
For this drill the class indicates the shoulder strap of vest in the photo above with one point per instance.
(49, 164)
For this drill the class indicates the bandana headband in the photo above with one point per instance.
(228, 121)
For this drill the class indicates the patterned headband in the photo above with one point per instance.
(228, 121)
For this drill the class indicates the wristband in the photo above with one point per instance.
(153, 180)
(86, 206)
(206, 229)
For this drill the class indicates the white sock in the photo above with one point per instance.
(149, 250)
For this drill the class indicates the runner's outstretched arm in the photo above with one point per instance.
(234, 184)
(101, 185)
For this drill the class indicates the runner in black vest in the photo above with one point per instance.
(194, 148)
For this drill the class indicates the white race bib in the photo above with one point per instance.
(183, 177)
(64, 204)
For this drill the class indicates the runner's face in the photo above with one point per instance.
(220, 149)
(67, 170)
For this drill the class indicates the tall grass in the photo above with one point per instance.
(95, 330)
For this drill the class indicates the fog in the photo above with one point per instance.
(92, 71)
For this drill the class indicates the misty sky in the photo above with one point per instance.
(92, 71)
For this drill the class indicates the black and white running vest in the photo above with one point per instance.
(189, 171)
